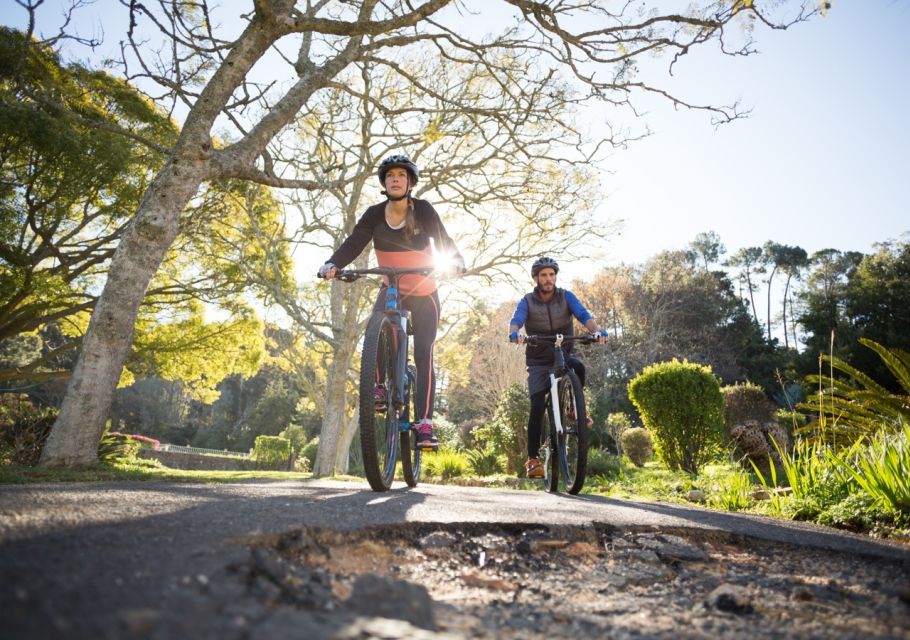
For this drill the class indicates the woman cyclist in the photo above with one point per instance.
(405, 232)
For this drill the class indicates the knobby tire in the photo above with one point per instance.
(410, 453)
(379, 432)
(573, 444)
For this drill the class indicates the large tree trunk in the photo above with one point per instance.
(332, 420)
(349, 430)
(77, 431)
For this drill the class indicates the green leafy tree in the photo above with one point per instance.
(507, 433)
(850, 296)
(69, 182)
(823, 302)
(681, 405)
(748, 262)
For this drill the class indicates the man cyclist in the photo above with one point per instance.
(404, 231)
(547, 311)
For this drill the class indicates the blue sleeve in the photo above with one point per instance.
(521, 314)
(577, 308)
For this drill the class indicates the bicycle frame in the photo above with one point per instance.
(397, 316)
(385, 426)
(560, 459)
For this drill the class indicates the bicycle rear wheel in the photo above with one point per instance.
(548, 451)
(573, 443)
(410, 454)
(378, 418)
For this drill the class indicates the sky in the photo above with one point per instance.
(822, 161)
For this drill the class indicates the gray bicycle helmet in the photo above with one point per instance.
(398, 161)
(544, 263)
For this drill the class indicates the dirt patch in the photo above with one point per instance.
(527, 581)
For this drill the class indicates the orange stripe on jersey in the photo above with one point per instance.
(413, 285)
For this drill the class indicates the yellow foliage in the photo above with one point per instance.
(433, 133)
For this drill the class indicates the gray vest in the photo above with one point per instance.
(548, 319)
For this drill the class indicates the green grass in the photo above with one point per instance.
(650, 482)
(135, 469)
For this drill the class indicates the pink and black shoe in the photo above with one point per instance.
(426, 441)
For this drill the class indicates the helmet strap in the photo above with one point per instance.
(407, 194)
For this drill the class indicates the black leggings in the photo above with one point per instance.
(539, 406)
(423, 322)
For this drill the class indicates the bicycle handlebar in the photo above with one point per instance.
(350, 275)
(533, 340)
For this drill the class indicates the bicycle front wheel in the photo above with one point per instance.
(410, 452)
(573, 442)
(548, 451)
(378, 417)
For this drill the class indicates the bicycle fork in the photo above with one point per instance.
(554, 401)
(400, 376)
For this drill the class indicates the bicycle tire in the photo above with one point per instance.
(411, 455)
(379, 432)
(548, 448)
(573, 443)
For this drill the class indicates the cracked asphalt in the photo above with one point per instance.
(323, 558)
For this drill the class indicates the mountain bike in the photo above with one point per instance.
(386, 380)
(564, 434)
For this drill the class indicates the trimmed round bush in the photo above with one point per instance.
(637, 445)
(680, 403)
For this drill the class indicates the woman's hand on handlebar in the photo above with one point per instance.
(327, 271)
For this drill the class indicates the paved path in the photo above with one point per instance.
(104, 560)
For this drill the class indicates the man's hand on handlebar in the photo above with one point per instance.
(517, 338)
(601, 336)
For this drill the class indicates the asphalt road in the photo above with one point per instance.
(104, 560)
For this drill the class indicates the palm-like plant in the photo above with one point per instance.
(856, 406)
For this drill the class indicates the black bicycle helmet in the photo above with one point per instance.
(544, 262)
(398, 161)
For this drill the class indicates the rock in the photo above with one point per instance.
(376, 596)
(438, 540)
(730, 598)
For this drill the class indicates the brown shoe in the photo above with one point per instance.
(534, 468)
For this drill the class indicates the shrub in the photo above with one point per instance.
(484, 462)
(637, 445)
(309, 452)
(447, 433)
(681, 405)
(446, 464)
(603, 464)
(117, 446)
(882, 469)
(744, 402)
(272, 451)
(23, 431)
(296, 435)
